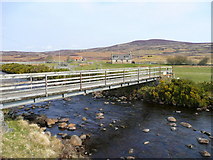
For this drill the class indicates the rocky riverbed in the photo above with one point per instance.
(113, 127)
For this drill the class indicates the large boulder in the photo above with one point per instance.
(75, 140)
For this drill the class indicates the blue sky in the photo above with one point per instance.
(43, 26)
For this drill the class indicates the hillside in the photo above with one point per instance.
(142, 50)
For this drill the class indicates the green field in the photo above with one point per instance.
(194, 73)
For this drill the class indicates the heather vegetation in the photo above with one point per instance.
(179, 92)
(22, 68)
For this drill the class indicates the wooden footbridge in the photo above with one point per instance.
(22, 89)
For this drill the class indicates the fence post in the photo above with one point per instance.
(160, 71)
(80, 81)
(123, 76)
(31, 82)
(105, 78)
(46, 85)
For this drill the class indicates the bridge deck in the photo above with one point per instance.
(30, 88)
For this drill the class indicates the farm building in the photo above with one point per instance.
(77, 58)
(121, 58)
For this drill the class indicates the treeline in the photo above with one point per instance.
(183, 60)
(23, 68)
(179, 92)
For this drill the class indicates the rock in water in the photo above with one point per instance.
(51, 121)
(190, 146)
(187, 125)
(131, 151)
(75, 140)
(71, 127)
(84, 119)
(62, 125)
(86, 108)
(205, 154)
(173, 124)
(63, 120)
(147, 142)
(171, 119)
(130, 157)
(146, 130)
(203, 140)
(173, 128)
(99, 116)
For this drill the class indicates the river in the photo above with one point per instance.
(126, 129)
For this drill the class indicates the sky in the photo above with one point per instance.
(45, 26)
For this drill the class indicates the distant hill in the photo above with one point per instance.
(142, 50)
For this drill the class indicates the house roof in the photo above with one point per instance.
(121, 56)
(74, 57)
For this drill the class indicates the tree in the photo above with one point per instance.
(203, 61)
(49, 59)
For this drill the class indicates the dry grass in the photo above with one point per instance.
(29, 141)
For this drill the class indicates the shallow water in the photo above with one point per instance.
(115, 143)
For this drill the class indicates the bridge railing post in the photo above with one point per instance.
(31, 82)
(80, 81)
(138, 75)
(123, 76)
(46, 86)
(105, 78)
(149, 72)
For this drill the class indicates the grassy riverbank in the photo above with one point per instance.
(29, 141)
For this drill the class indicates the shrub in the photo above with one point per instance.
(23, 68)
(178, 60)
(177, 92)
